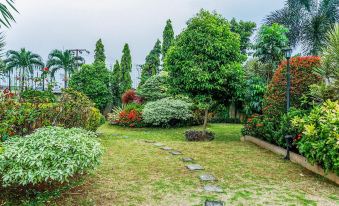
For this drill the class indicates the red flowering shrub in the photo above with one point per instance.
(132, 118)
(302, 77)
(130, 96)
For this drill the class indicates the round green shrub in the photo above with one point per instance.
(51, 154)
(167, 112)
(154, 88)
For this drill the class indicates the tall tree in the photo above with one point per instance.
(168, 38)
(126, 69)
(152, 64)
(245, 30)
(269, 46)
(116, 83)
(99, 55)
(94, 81)
(205, 61)
(63, 60)
(23, 60)
(308, 22)
(6, 16)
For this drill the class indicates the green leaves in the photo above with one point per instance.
(50, 154)
(126, 68)
(202, 59)
(6, 14)
(99, 52)
(152, 64)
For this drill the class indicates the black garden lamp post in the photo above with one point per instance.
(288, 138)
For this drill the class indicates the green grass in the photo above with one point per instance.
(137, 173)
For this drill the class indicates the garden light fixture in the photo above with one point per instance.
(288, 138)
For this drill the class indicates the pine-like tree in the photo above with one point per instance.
(126, 69)
(152, 64)
(99, 55)
(168, 38)
(116, 83)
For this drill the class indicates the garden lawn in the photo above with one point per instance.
(137, 173)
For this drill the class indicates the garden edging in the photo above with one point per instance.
(296, 158)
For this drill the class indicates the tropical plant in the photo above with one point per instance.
(168, 38)
(269, 46)
(93, 81)
(254, 95)
(152, 64)
(51, 154)
(6, 13)
(205, 61)
(63, 60)
(308, 22)
(25, 61)
(319, 140)
(126, 69)
(245, 30)
(167, 112)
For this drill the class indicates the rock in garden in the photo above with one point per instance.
(198, 136)
(187, 159)
(166, 148)
(207, 177)
(214, 203)
(125, 137)
(149, 141)
(176, 153)
(194, 167)
(213, 188)
(159, 144)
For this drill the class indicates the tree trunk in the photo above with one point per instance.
(205, 120)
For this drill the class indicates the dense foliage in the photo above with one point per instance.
(99, 53)
(94, 81)
(126, 69)
(205, 61)
(308, 22)
(155, 88)
(168, 38)
(302, 77)
(254, 91)
(152, 64)
(245, 30)
(50, 154)
(34, 96)
(319, 140)
(130, 96)
(167, 112)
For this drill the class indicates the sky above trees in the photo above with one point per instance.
(44, 25)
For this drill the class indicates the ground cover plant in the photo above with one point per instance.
(51, 154)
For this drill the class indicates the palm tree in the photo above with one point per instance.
(5, 13)
(23, 60)
(308, 22)
(63, 60)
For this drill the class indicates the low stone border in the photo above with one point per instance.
(296, 158)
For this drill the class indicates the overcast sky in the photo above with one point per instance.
(44, 25)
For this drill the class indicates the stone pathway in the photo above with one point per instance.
(195, 167)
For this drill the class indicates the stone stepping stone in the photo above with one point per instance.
(159, 144)
(214, 203)
(167, 148)
(176, 153)
(194, 167)
(149, 141)
(125, 137)
(213, 188)
(187, 159)
(207, 177)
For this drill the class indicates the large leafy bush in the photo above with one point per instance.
(50, 154)
(302, 77)
(167, 112)
(320, 138)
